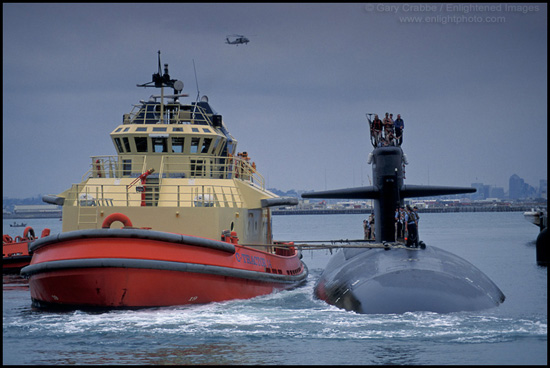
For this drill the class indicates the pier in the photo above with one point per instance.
(449, 209)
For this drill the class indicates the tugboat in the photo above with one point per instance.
(15, 252)
(195, 214)
(389, 276)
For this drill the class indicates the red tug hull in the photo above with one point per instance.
(15, 252)
(134, 268)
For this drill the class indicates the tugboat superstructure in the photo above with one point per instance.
(176, 166)
(177, 171)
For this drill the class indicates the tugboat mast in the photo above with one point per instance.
(163, 80)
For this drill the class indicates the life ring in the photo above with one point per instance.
(7, 239)
(116, 217)
(28, 233)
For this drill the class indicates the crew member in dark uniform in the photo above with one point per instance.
(412, 238)
(399, 126)
(401, 225)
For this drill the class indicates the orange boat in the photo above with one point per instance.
(15, 252)
(182, 218)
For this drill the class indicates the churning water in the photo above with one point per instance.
(292, 327)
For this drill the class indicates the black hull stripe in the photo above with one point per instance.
(161, 265)
(133, 233)
(7, 260)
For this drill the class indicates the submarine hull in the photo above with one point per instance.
(399, 280)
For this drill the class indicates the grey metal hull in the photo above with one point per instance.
(403, 280)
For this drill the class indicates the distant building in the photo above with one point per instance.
(497, 192)
(515, 187)
(480, 191)
(519, 189)
(543, 189)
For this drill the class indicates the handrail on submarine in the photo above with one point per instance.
(333, 244)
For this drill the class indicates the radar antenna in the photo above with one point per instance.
(161, 80)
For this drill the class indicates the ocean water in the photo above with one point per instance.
(292, 327)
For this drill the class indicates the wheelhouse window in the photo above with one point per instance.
(126, 144)
(206, 145)
(141, 144)
(215, 146)
(160, 145)
(177, 144)
(195, 144)
(118, 145)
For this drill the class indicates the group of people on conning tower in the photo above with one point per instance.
(387, 132)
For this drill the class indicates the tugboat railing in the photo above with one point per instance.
(157, 190)
(172, 113)
(196, 166)
(171, 195)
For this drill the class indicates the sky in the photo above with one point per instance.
(469, 80)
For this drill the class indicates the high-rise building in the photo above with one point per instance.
(519, 189)
(515, 187)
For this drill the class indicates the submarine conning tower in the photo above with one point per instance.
(387, 171)
(388, 189)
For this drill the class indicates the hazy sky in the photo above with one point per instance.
(470, 82)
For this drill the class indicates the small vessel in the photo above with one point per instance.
(15, 252)
(18, 225)
(195, 213)
(534, 215)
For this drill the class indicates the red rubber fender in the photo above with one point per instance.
(116, 217)
(28, 233)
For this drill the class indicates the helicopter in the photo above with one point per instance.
(239, 39)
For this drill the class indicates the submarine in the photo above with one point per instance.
(391, 277)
